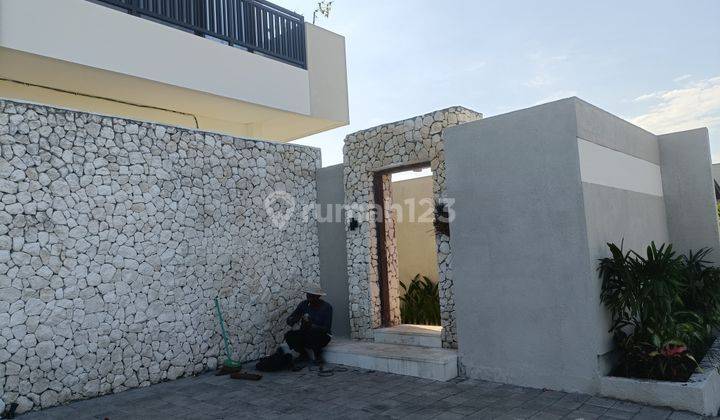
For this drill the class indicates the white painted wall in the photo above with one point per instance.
(98, 51)
(328, 73)
(414, 231)
(94, 35)
(604, 166)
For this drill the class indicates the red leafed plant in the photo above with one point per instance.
(673, 350)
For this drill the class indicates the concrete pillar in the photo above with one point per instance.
(333, 255)
(689, 192)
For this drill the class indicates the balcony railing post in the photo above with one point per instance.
(249, 24)
(200, 17)
(135, 7)
(303, 43)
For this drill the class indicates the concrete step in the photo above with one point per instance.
(410, 335)
(422, 362)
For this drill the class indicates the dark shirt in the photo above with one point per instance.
(320, 315)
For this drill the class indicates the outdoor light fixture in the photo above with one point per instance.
(353, 224)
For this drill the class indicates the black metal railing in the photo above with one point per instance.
(256, 25)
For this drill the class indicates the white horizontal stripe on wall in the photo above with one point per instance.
(604, 166)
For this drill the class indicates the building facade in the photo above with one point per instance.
(143, 173)
(243, 68)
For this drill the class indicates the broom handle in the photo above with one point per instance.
(228, 354)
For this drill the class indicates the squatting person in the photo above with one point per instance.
(315, 317)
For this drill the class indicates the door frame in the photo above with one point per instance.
(380, 233)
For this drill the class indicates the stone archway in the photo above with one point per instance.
(366, 152)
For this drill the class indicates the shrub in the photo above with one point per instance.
(421, 302)
(701, 293)
(664, 308)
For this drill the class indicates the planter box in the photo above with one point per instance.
(700, 394)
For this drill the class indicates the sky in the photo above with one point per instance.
(655, 63)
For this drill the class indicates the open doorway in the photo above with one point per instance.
(407, 250)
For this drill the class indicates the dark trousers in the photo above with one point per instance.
(299, 340)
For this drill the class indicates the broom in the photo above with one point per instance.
(229, 365)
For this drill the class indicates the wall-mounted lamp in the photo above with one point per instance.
(353, 224)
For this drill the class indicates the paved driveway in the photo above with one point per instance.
(353, 394)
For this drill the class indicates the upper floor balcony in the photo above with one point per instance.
(254, 25)
(242, 67)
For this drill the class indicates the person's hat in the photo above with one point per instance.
(314, 290)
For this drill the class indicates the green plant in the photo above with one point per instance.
(421, 302)
(655, 331)
(701, 293)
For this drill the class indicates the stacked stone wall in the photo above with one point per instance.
(412, 141)
(116, 235)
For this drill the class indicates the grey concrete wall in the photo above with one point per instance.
(525, 291)
(601, 127)
(333, 253)
(538, 194)
(689, 191)
(618, 216)
(614, 213)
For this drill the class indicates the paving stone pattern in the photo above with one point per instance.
(355, 394)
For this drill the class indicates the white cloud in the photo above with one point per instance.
(646, 97)
(537, 81)
(544, 68)
(696, 105)
(682, 78)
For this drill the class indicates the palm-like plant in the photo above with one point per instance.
(421, 302)
(641, 291)
(651, 324)
(702, 289)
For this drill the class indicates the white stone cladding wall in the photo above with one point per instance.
(415, 140)
(116, 235)
(390, 219)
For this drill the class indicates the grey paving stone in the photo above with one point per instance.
(575, 397)
(628, 406)
(558, 410)
(601, 402)
(489, 413)
(546, 416)
(522, 413)
(465, 410)
(579, 414)
(426, 413)
(614, 413)
(567, 404)
(401, 411)
(654, 413)
(448, 415)
(593, 409)
(537, 404)
(684, 415)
